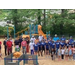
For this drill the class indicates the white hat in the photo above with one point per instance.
(32, 36)
(55, 34)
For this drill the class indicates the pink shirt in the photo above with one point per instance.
(23, 43)
(73, 50)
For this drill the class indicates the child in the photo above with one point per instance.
(24, 46)
(31, 45)
(47, 48)
(62, 52)
(53, 54)
(70, 52)
(17, 48)
(0, 50)
(66, 52)
(74, 53)
(36, 48)
(43, 47)
(59, 53)
(40, 48)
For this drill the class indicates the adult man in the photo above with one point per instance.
(40, 38)
(20, 40)
(5, 46)
(71, 41)
(63, 38)
(33, 39)
(55, 38)
(9, 46)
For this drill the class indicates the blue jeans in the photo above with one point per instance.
(24, 49)
(74, 56)
(32, 52)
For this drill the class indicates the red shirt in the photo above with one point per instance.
(9, 44)
(24, 43)
(0, 43)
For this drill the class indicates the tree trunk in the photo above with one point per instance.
(15, 18)
(39, 16)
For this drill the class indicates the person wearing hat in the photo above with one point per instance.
(71, 41)
(63, 38)
(55, 38)
(40, 38)
(33, 39)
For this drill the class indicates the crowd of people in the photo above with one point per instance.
(53, 48)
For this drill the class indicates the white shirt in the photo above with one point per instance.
(40, 38)
(33, 39)
(31, 46)
(62, 51)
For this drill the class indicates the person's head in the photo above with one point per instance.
(20, 36)
(66, 47)
(46, 41)
(74, 46)
(55, 35)
(32, 36)
(42, 40)
(10, 37)
(70, 46)
(57, 40)
(40, 35)
(62, 36)
(16, 38)
(23, 39)
(70, 37)
(5, 38)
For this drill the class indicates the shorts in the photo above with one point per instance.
(70, 53)
(66, 53)
(59, 54)
(24, 49)
(43, 48)
(39, 48)
(0, 47)
(47, 49)
(36, 50)
(32, 52)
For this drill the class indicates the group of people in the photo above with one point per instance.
(52, 48)
(60, 48)
(18, 43)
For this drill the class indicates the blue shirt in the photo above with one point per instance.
(57, 44)
(71, 41)
(63, 39)
(39, 44)
(47, 45)
(43, 44)
(35, 47)
(62, 44)
(56, 38)
(50, 43)
(53, 45)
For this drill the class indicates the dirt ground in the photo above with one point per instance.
(43, 61)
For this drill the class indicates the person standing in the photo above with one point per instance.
(16, 44)
(27, 48)
(20, 40)
(63, 38)
(24, 46)
(9, 46)
(5, 46)
(74, 53)
(40, 38)
(55, 38)
(33, 39)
